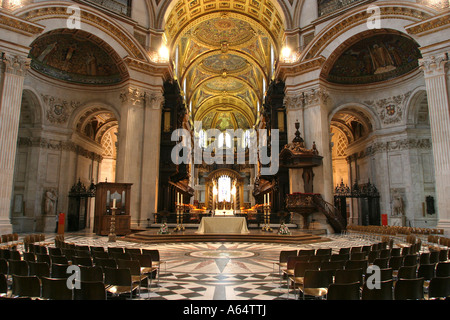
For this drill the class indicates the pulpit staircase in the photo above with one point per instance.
(333, 216)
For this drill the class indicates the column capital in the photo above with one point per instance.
(15, 64)
(434, 65)
(133, 95)
(154, 100)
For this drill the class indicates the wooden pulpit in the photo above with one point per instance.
(107, 194)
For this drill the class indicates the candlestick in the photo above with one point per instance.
(114, 203)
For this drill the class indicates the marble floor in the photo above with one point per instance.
(217, 270)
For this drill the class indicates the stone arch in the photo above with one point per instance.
(359, 110)
(55, 16)
(417, 108)
(88, 109)
(352, 23)
(36, 105)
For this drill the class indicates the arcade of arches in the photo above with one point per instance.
(99, 103)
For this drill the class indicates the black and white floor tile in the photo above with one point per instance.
(218, 270)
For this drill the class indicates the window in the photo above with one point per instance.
(225, 140)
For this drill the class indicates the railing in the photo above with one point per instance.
(333, 216)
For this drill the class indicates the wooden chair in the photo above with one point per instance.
(439, 288)
(357, 264)
(26, 286)
(283, 258)
(3, 285)
(54, 251)
(434, 256)
(82, 261)
(340, 257)
(43, 258)
(133, 250)
(110, 263)
(424, 258)
(407, 272)
(39, 269)
(383, 292)
(344, 250)
(18, 267)
(147, 267)
(443, 269)
(55, 289)
(349, 276)
(306, 252)
(115, 250)
(89, 290)
(96, 249)
(4, 266)
(29, 256)
(59, 271)
(382, 263)
(409, 289)
(344, 291)
(59, 259)
(443, 255)
(323, 252)
(100, 254)
(119, 281)
(385, 274)
(410, 260)
(316, 283)
(120, 255)
(91, 273)
(82, 253)
(135, 268)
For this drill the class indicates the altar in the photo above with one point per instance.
(223, 225)
(224, 213)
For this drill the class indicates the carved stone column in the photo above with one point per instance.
(130, 143)
(150, 154)
(12, 73)
(138, 149)
(436, 78)
(317, 130)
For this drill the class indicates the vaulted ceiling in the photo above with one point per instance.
(223, 55)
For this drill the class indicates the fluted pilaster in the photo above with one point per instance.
(435, 69)
(12, 73)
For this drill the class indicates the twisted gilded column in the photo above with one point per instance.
(435, 69)
(12, 73)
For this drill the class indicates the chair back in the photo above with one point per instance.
(439, 288)
(426, 271)
(409, 289)
(381, 291)
(343, 291)
(55, 289)
(89, 290)
(26, 286)
(91, 273)
(407, 272)
(18, 267)
(39, 269)
(443, 269)
(59, 271)
(349, 276)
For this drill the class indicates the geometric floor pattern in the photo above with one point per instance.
(217, 270)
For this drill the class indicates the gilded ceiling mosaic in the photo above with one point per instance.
(74, 58)
(375, 59)
(224, 58)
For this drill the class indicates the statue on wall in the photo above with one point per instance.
(50, 198)
(397, 204)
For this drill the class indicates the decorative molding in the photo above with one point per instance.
(390, 110)
(434, 65)
(155, 100)
(44, 143)
(134, 96)
(387, 11)
(394, 145)
(10, 22)
(60, 11)
(16, 65)
(58, 109)
(433, 24)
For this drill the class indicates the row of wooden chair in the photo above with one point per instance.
(333, 274)
(9, 240)
(393, 230)
(46, 288)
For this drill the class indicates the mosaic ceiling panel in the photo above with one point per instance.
(375, 59)
(75, 58)
(224, 55)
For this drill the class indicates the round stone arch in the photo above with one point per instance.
(32, 97)
(414, 107)
(358, 110)
(394, 16)
(88, 109)
(56, 16)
